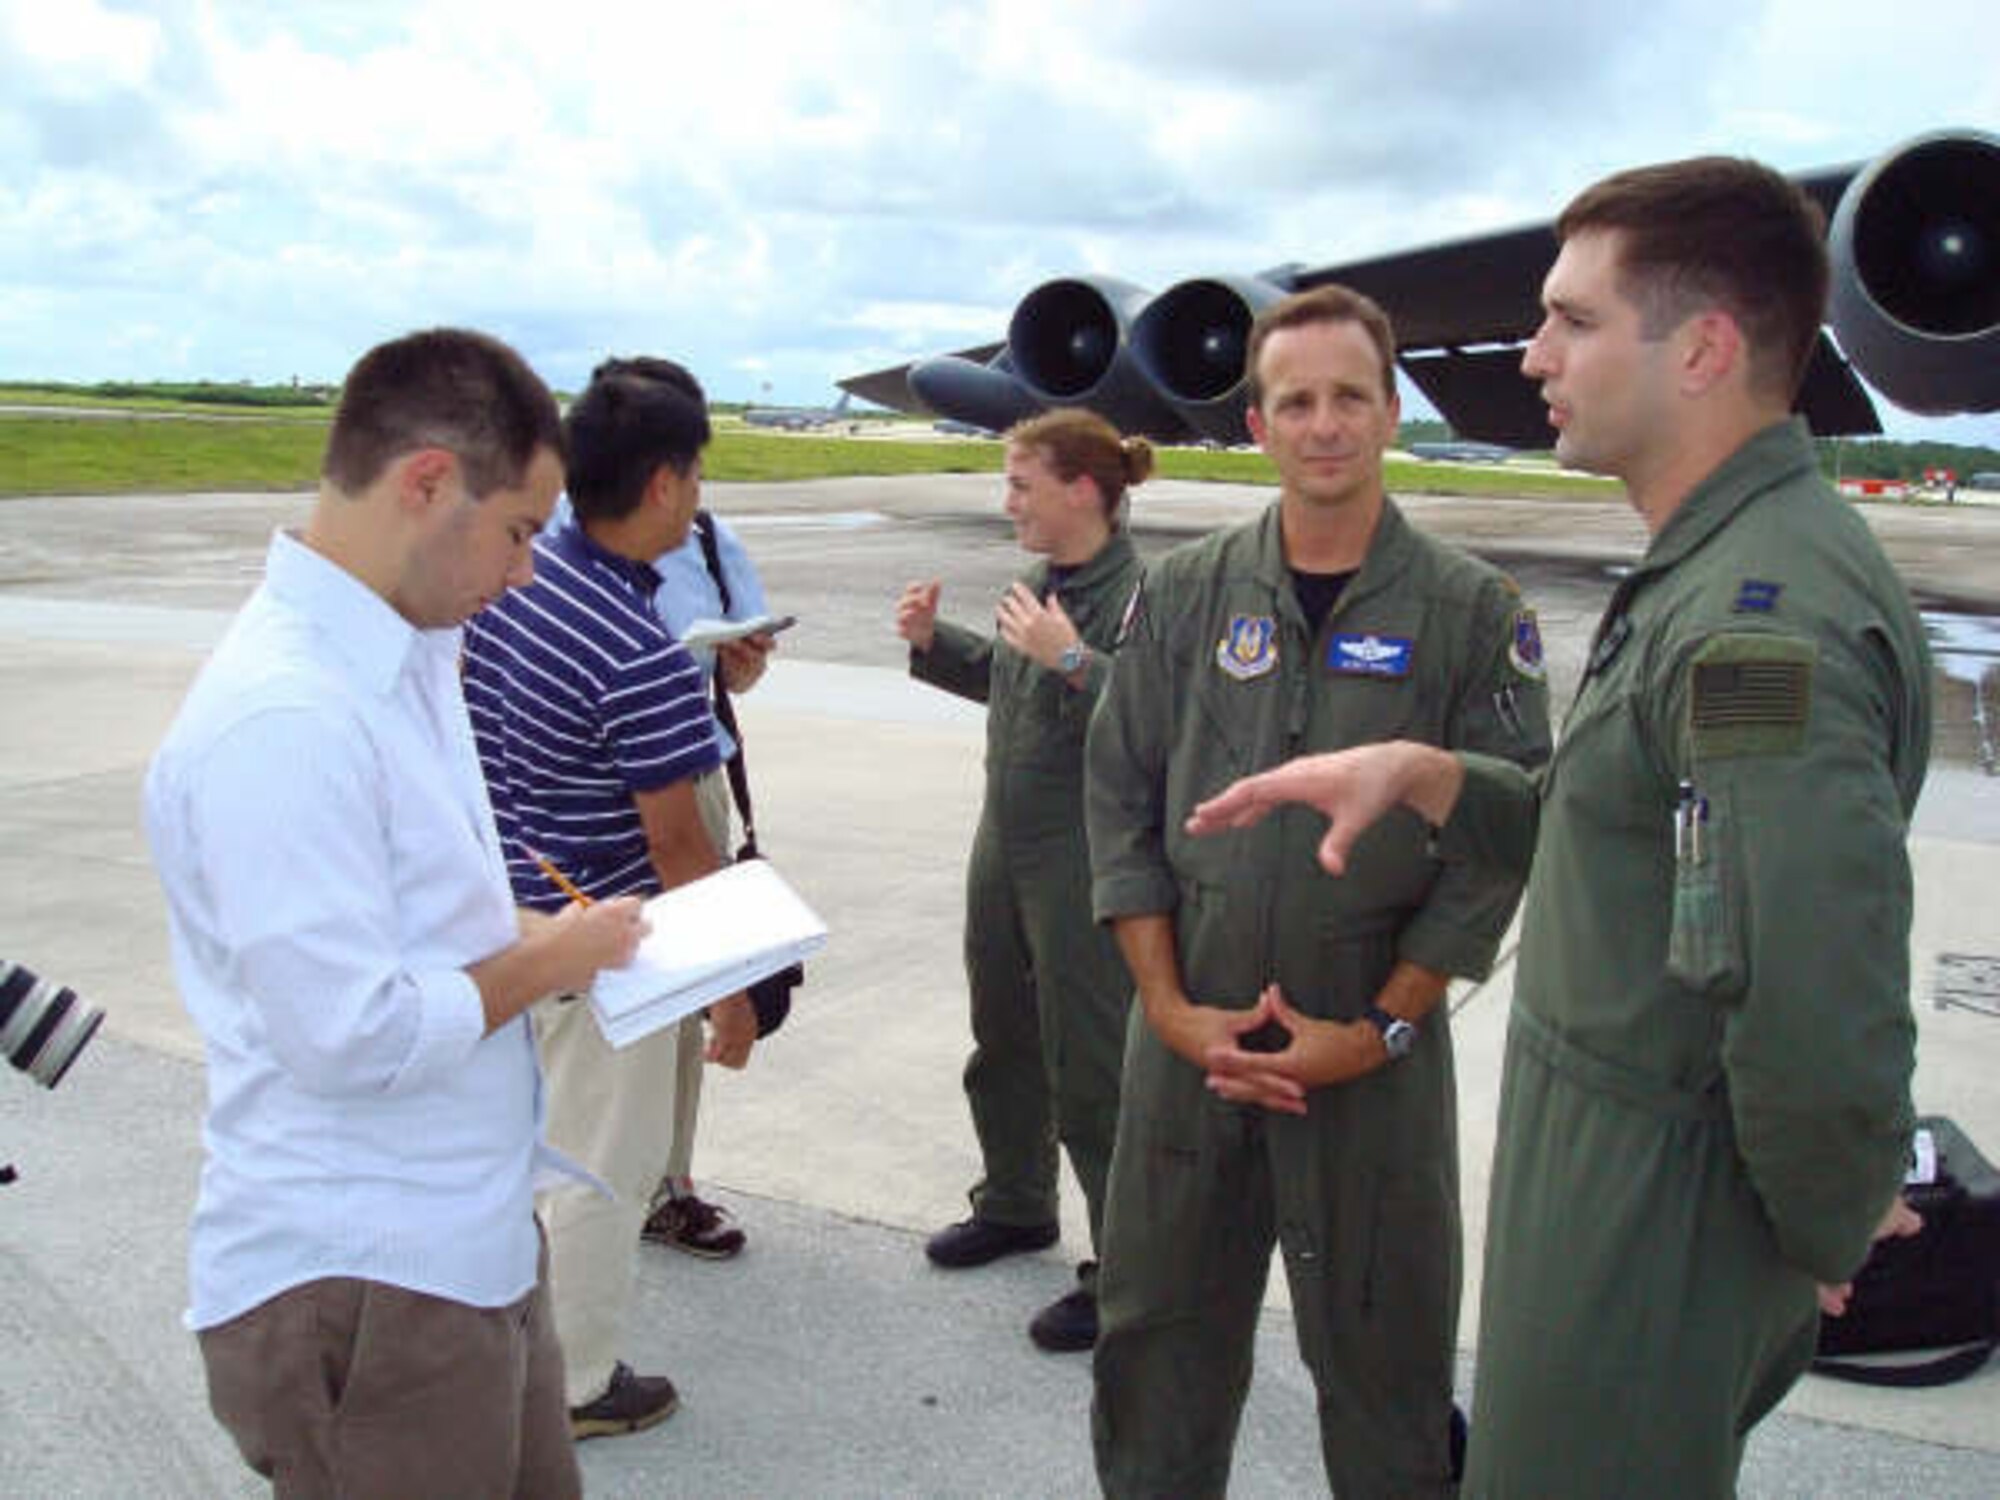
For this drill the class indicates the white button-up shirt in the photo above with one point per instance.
(319, 821)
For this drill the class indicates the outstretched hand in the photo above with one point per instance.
(1352, 787)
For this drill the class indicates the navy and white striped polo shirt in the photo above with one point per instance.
(579, 698)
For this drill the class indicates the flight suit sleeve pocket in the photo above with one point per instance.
(1704, 948)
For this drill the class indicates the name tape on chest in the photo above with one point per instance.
(1750, 695)
(1365, 654)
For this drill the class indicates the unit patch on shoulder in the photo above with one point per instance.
(1749, 695)
(1524, 646)
(1367, 655)
(1757, 596)
(1249, 648)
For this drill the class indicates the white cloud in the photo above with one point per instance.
(789, 192)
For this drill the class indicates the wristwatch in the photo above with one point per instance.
(1074, 655)
(1398, 1035)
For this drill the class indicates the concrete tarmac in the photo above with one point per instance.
(830, 1359)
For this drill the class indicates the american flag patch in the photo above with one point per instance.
(1750, 695)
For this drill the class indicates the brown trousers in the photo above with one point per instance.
(350, 1388)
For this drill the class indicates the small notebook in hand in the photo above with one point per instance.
(710, 938)
(700, 633)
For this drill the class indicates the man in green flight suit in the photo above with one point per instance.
(1705, 1105)
(1327, 621)
(1048, 993)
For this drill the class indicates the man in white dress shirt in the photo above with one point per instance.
(366, 1273)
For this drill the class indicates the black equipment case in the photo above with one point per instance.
(1937, 1290)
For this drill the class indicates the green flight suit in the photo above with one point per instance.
(1705, 1105)
(1048, 989)
(1218, 678)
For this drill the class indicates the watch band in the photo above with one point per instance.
(1398, 1035)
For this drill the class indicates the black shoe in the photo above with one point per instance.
(699, 1228)
(630, 1403)
(1068, 1325)
(975, 1241)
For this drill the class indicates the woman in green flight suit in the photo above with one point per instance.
(1048, 989)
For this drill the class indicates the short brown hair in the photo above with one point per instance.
(1331, 303)
(1077, 442)
(446, 388)
(1717, 231)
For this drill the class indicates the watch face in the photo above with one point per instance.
(1398, 1035)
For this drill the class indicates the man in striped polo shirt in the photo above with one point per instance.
(592, 727)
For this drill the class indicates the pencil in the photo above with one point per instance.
(563, 882)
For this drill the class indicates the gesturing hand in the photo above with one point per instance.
(916, 613)
(1040, 632)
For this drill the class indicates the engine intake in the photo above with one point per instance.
(1068, 341)
(1915, 246)
(1190, 342)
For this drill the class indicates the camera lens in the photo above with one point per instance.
(43, 1026)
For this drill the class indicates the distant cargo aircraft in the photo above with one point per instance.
(1461, 453)
(1915, 245)
(799, 418)
(952, 427)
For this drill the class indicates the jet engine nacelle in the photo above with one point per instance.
(982, 395)
(1068, 341)
(1190, 341)
(1915, 246)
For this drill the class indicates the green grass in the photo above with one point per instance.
(46, 455)
(740, 455)
(125, 455)
(27, 393)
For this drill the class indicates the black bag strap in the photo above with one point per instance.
(1943, 1370)
(725, 711)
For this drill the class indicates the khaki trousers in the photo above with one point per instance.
(351, 1388)
(624, 1113)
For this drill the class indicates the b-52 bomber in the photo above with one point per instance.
(1914, 237)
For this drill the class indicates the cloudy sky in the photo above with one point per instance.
(781, 194)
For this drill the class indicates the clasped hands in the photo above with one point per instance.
(1314, 1052)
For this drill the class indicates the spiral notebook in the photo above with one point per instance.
(710, 938)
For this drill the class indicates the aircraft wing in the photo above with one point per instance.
(890, 386)
(1915, 245)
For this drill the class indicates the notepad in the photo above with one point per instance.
(704, 633)
(709, 939)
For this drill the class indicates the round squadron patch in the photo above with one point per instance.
(1249, 648)
(1524, 647)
